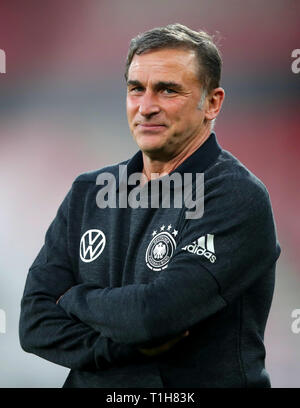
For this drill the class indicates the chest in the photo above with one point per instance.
(116, 247)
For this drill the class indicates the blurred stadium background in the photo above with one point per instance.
(62, 112)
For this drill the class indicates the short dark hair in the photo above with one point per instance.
(180, 36)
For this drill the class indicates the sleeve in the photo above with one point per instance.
(44, 328)
(217, 258)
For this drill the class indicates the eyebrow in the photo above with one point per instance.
(134, 83)
(158, 85)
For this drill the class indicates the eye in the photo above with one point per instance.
(169, 91)
(136, 89)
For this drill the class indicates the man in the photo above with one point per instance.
(141, 296)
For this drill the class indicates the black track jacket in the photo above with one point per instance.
(135, 277)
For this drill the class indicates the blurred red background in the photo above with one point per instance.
(62, 112)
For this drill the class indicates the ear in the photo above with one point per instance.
(213, 103)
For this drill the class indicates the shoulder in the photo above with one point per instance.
(229, 175)
(90, 177)
(231, 190)
(84, 188)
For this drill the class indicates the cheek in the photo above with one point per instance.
(174, 111)
(131, 108)
(185, 120)
(189, 113)
(179, 108)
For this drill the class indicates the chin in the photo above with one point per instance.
(150, 149)
(149, 144)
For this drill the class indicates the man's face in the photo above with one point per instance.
(163, 94)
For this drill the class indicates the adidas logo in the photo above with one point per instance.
(204, 246)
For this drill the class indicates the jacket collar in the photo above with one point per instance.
(197, 162)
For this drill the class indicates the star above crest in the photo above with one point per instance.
(163, 229)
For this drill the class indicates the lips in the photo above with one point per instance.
(150, 126)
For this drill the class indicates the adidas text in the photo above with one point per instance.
(199, 247)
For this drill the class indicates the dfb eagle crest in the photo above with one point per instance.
(161, 248)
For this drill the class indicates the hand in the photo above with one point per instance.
(154, 351)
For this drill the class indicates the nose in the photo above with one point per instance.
(148, 105)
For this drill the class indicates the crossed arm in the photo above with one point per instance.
(46, 330)
(91, 326)
(154, 351)
(181, 296)
(49, 332)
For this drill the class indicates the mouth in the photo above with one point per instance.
(150, 127)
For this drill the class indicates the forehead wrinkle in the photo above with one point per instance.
(165, 60)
